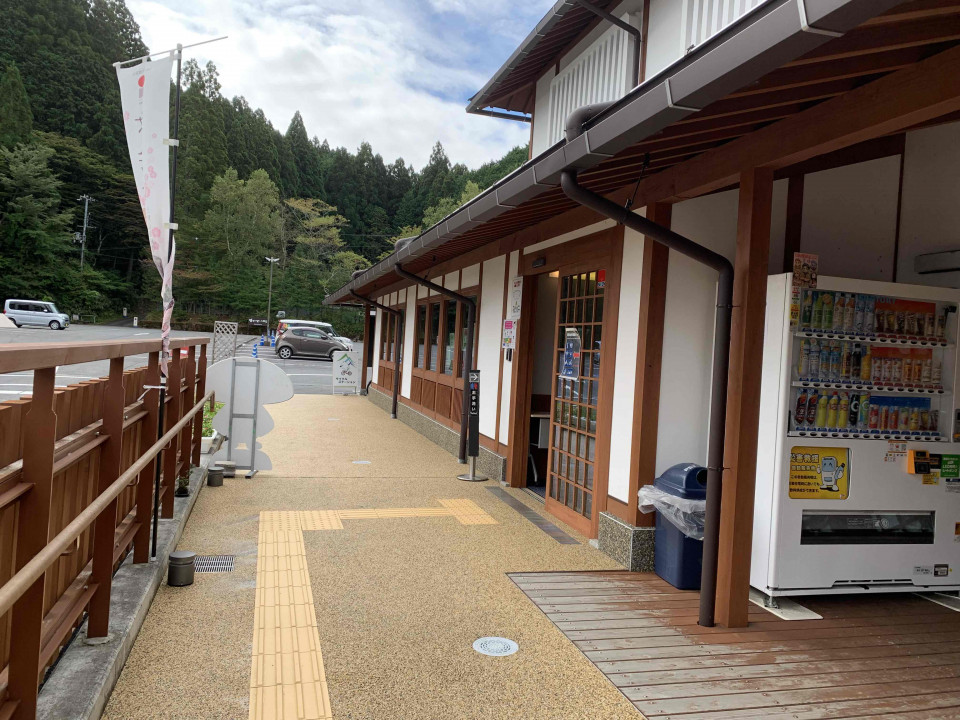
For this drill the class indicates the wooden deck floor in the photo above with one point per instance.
(871, 656)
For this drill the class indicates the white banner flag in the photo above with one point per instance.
(145, 98)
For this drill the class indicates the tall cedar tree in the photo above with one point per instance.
(16, 120)
(230, 156)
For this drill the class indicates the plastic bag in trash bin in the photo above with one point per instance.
(688, 515)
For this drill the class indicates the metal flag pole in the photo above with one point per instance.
(179, 48)
(163, 379)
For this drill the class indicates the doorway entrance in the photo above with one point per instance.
(564, 365)
(577, 370)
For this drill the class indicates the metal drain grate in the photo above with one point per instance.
(213, 563)
(495, 646)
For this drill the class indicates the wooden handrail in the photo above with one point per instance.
(15, 357)
(38, 565)
(133, 413)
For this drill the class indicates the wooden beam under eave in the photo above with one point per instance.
(917, 94)
(646, 399)
(743, 397)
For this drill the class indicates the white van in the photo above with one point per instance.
(35, 312)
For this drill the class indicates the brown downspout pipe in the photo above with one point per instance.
(471, 321)
(721, 349)
(396, 370)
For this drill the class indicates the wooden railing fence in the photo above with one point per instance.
(77, 468)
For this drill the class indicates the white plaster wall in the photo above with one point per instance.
(565, 237)
(665, 35)
(507, 382)
(688, 329)
(628, 322)
(451, 281)
(409, 331)
(470, 276)
(850, 218)
(541, 112)
(689, 320)
(488, 353)
(930, 213)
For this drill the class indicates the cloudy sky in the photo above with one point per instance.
(396, 73)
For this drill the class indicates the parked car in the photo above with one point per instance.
(35, 312)
(307, 341)
(326, 327)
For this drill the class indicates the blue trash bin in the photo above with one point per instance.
(677, 558)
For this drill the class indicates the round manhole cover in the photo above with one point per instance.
(495, 646)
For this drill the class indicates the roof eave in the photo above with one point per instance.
(758, 43)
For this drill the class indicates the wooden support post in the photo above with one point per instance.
(518, 432)
(743, 396)
(39, 433)
(188, 401)
(646, 402)
(364, 355)
(201, 391)
(148, 436)
(171, 418)
(791, 235)
(104, 528)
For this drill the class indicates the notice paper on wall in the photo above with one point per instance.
(509, 339)
(515, 298)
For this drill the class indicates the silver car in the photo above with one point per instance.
(309, 341)
(35, 312)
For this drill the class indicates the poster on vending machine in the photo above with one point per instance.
(819, 473)
(806, 267)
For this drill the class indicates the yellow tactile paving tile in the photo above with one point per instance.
(320, 520)
(286, 673)
(467, 512)
(286, 670)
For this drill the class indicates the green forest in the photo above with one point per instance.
(245, 190)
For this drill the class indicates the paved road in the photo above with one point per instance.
(308, 376)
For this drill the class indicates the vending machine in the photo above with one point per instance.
(858, 461)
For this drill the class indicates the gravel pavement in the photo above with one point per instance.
(398, 600)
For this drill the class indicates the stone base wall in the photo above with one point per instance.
(630, 546)
(488, 463)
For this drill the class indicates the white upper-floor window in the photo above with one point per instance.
(702, 19)
(599, 74)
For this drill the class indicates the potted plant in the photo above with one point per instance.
(210, 439)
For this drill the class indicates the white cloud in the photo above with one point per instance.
(394, 73)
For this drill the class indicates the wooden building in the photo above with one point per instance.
(755, 128)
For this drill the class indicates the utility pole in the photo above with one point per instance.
(272, 261)
(86, 215)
